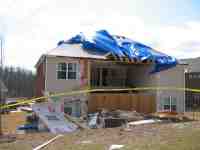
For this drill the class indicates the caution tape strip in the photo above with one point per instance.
(22, 101)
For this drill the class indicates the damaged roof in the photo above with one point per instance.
(102, 44)
(74, 50)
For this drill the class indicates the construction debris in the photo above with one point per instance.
(127, 115)
(109, 119)
(86, 142)
(149, 121)
(174, 116)
(48, 142)
(73, 120)
(115, 147)
(54, 122)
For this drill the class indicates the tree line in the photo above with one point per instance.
(19, 82)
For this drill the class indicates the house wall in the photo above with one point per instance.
(143, 103)
(140, 77)
(137, 76)
(54, 85)
(173, 77)
(193, 66)
(62, 85)
(192, 99)
(40, 80)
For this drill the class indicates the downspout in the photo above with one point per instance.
(45, 84)
(184, 92)
(158, 94)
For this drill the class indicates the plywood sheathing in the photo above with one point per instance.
(143, 103)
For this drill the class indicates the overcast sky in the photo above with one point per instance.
(29, 28)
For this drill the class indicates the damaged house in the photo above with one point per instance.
(109, 62)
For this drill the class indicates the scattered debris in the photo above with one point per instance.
(127, 115)
(182, 125)
(73, 120)
(109, 119)
(115, 147)
(149, 121)
(86, 142)
(48, 142)
(174, 116)
(26, 108)
(55, 122)
(28, 127)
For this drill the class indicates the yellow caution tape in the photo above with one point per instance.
(22, 101)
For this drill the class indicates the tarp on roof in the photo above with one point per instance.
(104, 42)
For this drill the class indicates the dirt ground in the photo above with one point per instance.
(170, 136)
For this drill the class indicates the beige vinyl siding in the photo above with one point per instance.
(60, 85)
(173, 77)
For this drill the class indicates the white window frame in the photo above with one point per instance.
(170, 98)
(67, 71)
(75, 70)
(60, 70)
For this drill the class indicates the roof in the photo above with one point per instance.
(71, 50)
(3, 87)
(193, 64)
(74, 50)
(182, 62)
(119, 47)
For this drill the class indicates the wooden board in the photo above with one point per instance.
(140, 102)
(11, 121)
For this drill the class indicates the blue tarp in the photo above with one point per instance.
(104, 42)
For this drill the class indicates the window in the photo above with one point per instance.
(67, 71)
(61, 72)
(72, 71)
(68, 110)
(166, 104)
(169, 104)
(173, 104)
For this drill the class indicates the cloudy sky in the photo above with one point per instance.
(29, 28)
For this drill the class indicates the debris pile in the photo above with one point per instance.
(109, 119)
(127, 115)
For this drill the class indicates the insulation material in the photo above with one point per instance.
(54, 121)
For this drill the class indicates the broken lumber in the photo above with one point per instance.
(47, 142)
(81, 126)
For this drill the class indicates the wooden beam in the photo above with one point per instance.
(101, 77)
(89, 73)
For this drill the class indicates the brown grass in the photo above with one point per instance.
(171, 136)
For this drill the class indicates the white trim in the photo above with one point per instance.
(170, 103)
(184, 93)
(66, 73)
(67, 63)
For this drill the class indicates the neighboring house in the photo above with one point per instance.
(192, 81)
(69, 67)
(192, 64)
